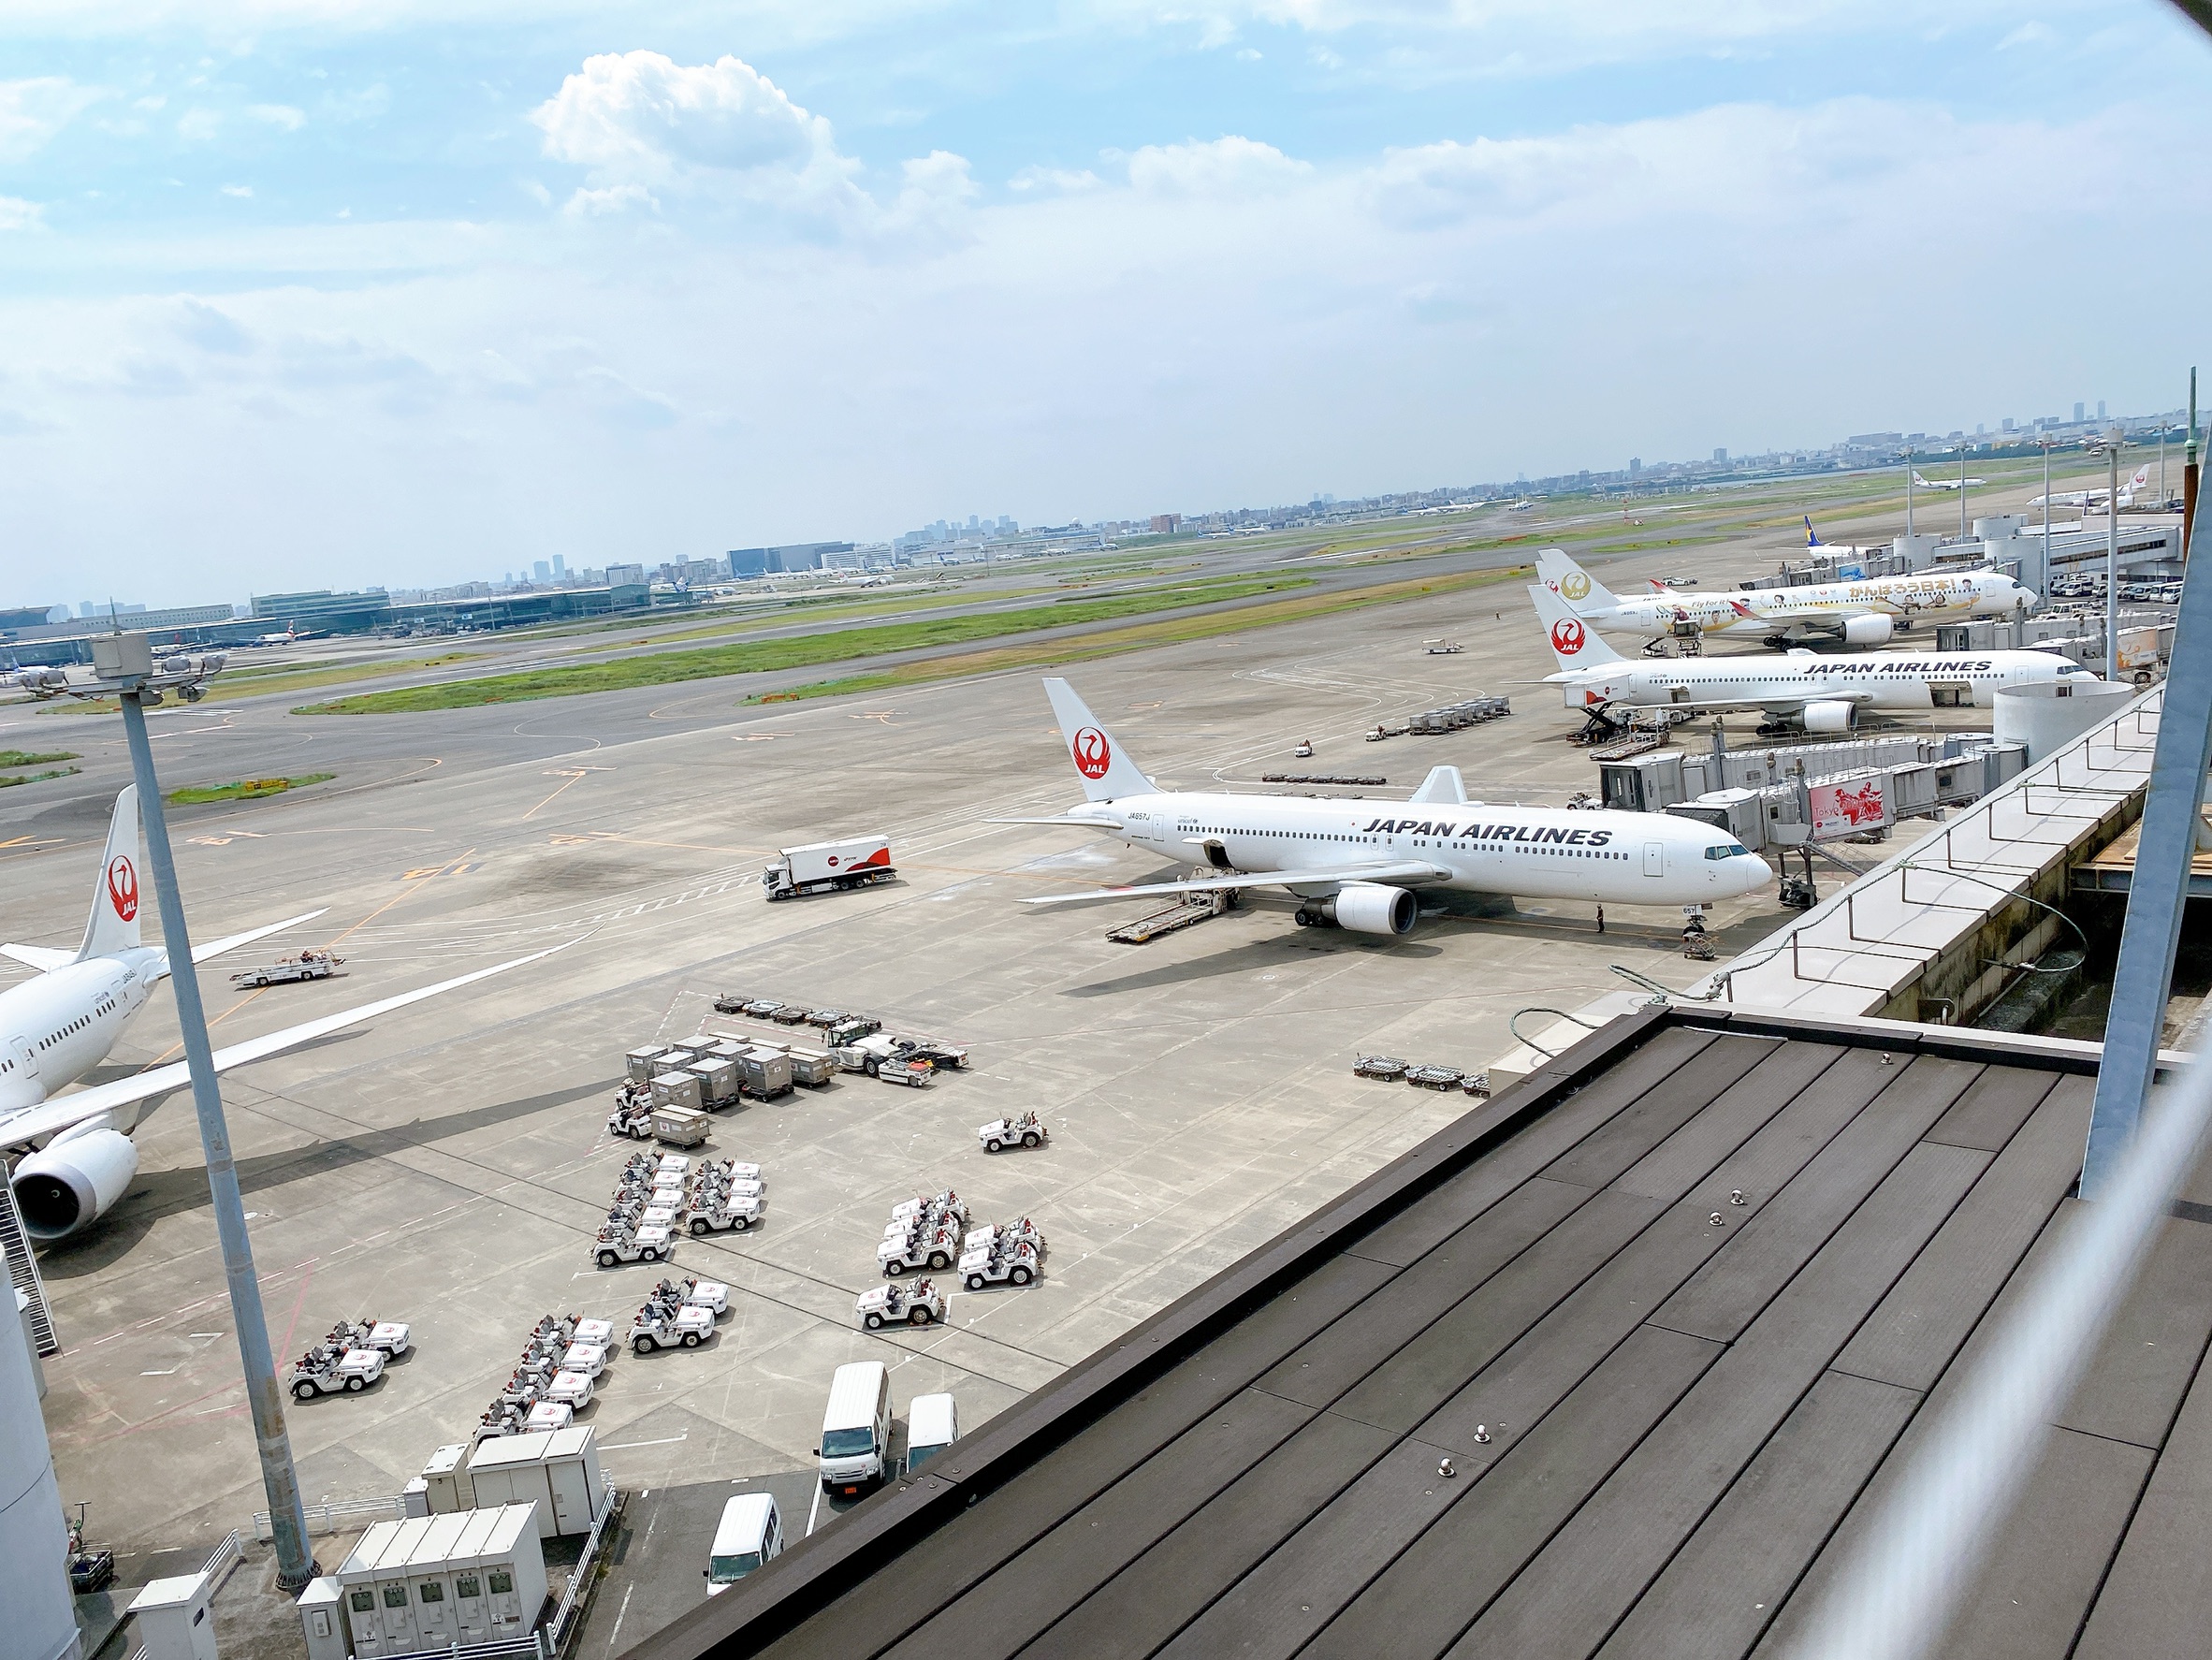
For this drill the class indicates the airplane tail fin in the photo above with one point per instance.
(1573, 643)
(113, 925)
(1583, 592)
(1812, 535)
(1442, 784)
(1922, 482)
(1108, 773)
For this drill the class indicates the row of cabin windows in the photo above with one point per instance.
(1464, 847)
(75, 1026)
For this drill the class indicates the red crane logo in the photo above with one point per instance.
(1567, 636)
(123, 887)
(1092, 754)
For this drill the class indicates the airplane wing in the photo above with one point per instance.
(53, 1117)
(1062, 819)
(1402, 871)
(200, 954)
(43, 958)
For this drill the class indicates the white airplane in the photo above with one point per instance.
(1866, 612)
(2095, 498)
(56, 1028)
(1947, 484)
(1359, 863)
(1825, 692)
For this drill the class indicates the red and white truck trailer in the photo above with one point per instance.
(821, 865)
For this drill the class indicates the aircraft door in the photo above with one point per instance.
(25, 1054)
(1654, 858)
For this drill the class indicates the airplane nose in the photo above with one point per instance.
(1755, 872)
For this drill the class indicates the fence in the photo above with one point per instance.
(338, 1517)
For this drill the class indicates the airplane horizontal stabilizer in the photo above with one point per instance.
(66, 1111)
(42, 957)
(1405, 870)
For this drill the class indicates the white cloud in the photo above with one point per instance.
(198, 125)
(19, 215)
(237, 190)
(2028, 34)
(278, 115)
(1227, 167)
(644, 118)
(33, 111)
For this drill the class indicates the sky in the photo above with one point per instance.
(334, 293)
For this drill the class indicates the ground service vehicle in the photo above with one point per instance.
(647, 1245)
(391, 1336)
(326, 1371)
(932, 1425)
(910, 1071)
(659, 1326)
(892, 1306)
(308, 965)
(948, 1058)
(725, 1213)
(1024, 1129)
(856, 1450)
(922, 1244)
(821, 866)
(749, 1534)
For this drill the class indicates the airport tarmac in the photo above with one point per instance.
(447, 1165)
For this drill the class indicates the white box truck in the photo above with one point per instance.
(856, 1429)
(821, 865)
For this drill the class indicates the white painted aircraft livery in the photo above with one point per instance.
(1825, 692)
(56, 1028)
(1866, 612)
(1359, 863)
(1948, 484)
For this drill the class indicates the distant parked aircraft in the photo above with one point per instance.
(1947, 484)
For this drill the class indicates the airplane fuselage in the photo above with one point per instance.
(1893, 681)
(58, 1026)
(1821, 608)
(1537, 852)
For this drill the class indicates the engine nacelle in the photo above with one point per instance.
(1829, 715)
(1868, 631)
(1370, 908)
(71, 1183)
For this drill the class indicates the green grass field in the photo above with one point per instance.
(799, 651)
(34, 757)
(9, 779)
(244, 789)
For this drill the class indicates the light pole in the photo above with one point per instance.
(123, 665)
(2112, 450)
(1908, 497)
(1962, 490)
(2047, 442)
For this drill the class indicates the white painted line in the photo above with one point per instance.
(170, 1373)
(810, 1511)
(665, 1441)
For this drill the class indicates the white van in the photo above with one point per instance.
(856, 1429)
(932, 1426)
(750, 1532)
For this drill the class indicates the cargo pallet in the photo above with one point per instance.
(1199, 907)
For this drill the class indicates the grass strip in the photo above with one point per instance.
(8, 781)
(797, 651)
(1167, 632)
(34, 757)
(244, 789)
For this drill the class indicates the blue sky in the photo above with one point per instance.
(307, 292)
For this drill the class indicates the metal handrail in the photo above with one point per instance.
(587, 1564)
(228, 1554)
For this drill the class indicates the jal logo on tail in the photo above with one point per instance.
(123, 887)
(1567, 636)
(1092, 754)
(1575, 586)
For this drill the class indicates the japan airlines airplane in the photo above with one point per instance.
(56, 1028)
(1863, 613)
(1947, 484)
(1359, 863)
(2095, 498)
(1825, 692)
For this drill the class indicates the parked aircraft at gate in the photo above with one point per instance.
(56, 1028)
(1862, 613)
(1825, 692)
(1359, 863)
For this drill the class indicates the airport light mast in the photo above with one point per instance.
(2110, 444)
(124, 667)
(2047, 443)
(1908, 458)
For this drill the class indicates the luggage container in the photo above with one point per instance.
(767, 1073)
(811, 1067)
(677, 1089)
(639, 1065)
(680, 1126)
(720, 1080)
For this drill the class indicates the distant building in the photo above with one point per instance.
(1721, 456)
(543, 571)
(321, 610)
(2078, 416)
(792, 556)
(1165, 524)
(2100, 409)
(622, 575)
(1636, 465)
(26, 616)
(560, 566)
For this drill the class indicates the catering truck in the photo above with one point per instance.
(821, 865)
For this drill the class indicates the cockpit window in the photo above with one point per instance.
(1726, 850)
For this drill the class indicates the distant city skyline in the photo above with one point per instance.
(296, 293)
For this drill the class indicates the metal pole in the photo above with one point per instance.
(2173, 821)
(2046, 518)
(296, 1564)
(2112, 568)
(1962, 491)
(1907, 500)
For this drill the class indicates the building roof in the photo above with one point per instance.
(1670, 1311)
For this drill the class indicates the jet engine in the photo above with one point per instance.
(72, 1181)
(1868, 631)
(1370, 908)
(1829, 715)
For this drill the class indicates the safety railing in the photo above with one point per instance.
(228, 1554)
(579, 1581)
(338, 1516)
